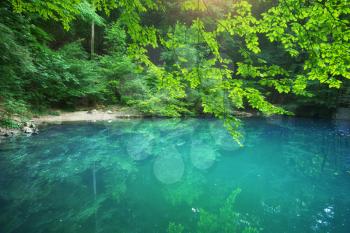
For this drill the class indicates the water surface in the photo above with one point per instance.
(291, 176)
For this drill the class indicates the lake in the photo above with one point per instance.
(178, 175)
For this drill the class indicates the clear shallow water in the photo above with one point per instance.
(292, 175)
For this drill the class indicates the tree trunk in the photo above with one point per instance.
(92, 44)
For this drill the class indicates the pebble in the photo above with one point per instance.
(195, 210)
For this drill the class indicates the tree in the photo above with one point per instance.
(311, 33)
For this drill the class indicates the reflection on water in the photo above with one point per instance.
(292, 175)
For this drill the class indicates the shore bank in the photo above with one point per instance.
(31, 127)
(88, 116)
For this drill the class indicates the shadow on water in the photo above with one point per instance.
(173, 175)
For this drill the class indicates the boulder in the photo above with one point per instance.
(32, 125)
(29, 124)
(4, 133)
(30, 128)
(243, 114)
(93, 111)
(27, 130)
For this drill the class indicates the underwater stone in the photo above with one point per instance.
(138, 146)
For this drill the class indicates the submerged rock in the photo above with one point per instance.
(139, 146)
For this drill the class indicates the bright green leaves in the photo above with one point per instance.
(142, 35)
(105, 5)
(209, 38)
(270, 76)
(257, 101)
(247, 70)
(87, 13)
(63, 11)
(317, 29)
(241, 23)
(221, 91)
(115, 38)
(172, 83)
(236, 94)
(193, 5)
(299, 85)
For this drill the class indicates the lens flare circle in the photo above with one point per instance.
(202, 156)
(169, 166)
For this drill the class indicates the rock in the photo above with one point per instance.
(93, 111)
(4, 133)
(29, 124)
(28, 130)
(8, 134)
(36, 131)
(243, 114)
(109, 112)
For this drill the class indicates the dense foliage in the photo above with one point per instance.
(175, 58)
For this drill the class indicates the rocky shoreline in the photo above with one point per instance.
(31, 127)
(88, 116)
(28, 129)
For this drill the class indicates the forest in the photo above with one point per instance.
(175, 58)
(186, 116)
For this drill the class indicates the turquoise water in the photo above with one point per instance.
(292, 175)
